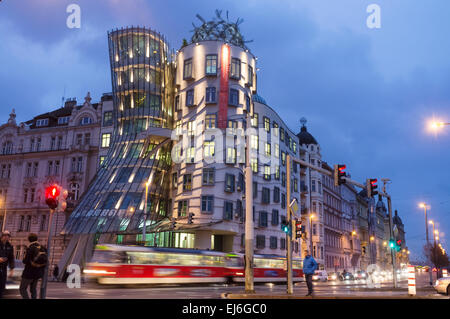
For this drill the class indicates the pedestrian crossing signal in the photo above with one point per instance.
(51, 196)
(285, 227)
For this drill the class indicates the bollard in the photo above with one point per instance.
(411, 281)
(444, 272)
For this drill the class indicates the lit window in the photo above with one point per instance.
(267, 124)
(210, 121)
(267, 149)
(211, 64)
(267, 172)
(235, 71)
(208, 148)
(106, 139)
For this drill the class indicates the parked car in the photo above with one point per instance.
(320, 275)
(442, 285)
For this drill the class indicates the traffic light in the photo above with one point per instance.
(285, 226)
(191, 218)
(51, 196)
(62, 205)
(298, 229)
(398, 246)
(339, 174)
(392, 244)
(371, 186)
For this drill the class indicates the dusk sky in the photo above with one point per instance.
(366, 93)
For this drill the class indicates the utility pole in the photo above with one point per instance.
(249, 227)
(391, 234)
(290, 287)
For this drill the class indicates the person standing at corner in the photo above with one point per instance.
(35, 261)
(309, 266)
(6, 259)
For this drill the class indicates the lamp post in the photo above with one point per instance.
(249, 225)
(424, 206)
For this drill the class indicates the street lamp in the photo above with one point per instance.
(425, 206)
(249, 225)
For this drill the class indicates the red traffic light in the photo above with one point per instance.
(52, 191)
(341, 168)
(51, 196)
(373, 182)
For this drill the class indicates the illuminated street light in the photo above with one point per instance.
(372, 238)
(434, 125)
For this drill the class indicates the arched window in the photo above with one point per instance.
(86, 120)
(74, 191)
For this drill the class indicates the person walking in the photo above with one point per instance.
(35, 261)
(309, 266)
(6, 259)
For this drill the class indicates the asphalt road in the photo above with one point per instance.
(57, 290)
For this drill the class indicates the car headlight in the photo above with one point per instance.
(436, 283)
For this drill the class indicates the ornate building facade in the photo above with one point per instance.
(60, 146)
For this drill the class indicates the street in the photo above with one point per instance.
(322, 289)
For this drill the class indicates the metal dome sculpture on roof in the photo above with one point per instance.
(304, 137)
(219, 29)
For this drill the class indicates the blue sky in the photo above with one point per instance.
(366, 93)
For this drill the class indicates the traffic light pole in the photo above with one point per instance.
(290, 285)
(394, 261)
(49, 243)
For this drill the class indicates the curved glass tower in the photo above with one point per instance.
(142, 82)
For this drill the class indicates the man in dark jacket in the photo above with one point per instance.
(309, 266)
(6, 258)
(34, 270)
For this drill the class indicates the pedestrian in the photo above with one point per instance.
(35, 261)
(55, 272)
(309, 266)
(6, 259)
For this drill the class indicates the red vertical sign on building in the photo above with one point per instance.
(224, 78)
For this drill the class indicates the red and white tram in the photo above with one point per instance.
(119, 264)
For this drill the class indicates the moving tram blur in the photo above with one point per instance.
(124, 265)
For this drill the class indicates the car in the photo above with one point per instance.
(442, 285)
(346, 276)
(361, 274)
(320, 275)
(332, 276)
